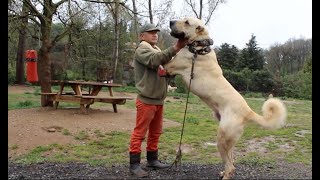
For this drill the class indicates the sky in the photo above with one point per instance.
(271, 21)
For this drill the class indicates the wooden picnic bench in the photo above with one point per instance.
(85, 99)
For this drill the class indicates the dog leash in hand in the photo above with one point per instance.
(179, 153)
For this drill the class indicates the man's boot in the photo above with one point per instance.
(135, 167)
(152, 157)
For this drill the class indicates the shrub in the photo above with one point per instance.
(181, 86)
(298, 85)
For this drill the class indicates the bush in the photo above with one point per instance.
(181, 86)
(247, 80)
(262, 81)
(298, 85)
(236, 79)
(25, 104)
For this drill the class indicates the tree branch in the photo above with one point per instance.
(60, 36)
(56, 5)
(212, 9)
(192, 5)
(34, 10)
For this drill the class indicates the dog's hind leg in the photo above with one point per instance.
(227, 138)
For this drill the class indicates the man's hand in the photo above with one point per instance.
(161, 71)
(181, 43)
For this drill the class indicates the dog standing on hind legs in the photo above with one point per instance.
(209, 84)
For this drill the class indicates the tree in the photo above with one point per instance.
(307, 67)
(114, 9)
(150, 11)
(295, 52)
(288, 57)
(45, 23)
(227, 56)
(135, 22)
(20, 78)
(204, 9)
(251, 57)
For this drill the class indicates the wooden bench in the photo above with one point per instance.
(55, 93)
(52, 96)
(114, 100)
(85, 100)
(49, 96)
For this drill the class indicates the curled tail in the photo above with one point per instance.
(274, 114)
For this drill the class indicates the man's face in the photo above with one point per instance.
(151, 37)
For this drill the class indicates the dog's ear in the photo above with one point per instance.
(200, 29)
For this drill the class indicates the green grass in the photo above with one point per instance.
(22, 101)
(66, 132)
(82, 135)
(199, 131)
(15, 146)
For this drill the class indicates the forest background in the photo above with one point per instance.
(95, 40)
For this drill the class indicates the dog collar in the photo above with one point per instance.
(206, 46)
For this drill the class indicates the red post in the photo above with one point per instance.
(31, 66)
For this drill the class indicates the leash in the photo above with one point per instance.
(205, 50)
(179, 153)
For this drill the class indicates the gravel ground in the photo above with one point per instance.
(49, 170)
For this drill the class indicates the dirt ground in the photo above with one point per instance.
(28, 128)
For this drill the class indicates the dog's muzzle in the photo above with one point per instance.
(175, 32)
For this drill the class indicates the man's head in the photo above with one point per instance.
(149, 33)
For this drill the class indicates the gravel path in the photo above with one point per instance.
(188, 171)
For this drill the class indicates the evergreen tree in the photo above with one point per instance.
(227, 56)
(251, 57)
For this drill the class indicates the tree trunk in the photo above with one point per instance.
(117, 34)
(20, 77)
(135, 20)
(44, 64)
(150, 12)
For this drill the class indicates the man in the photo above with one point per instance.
(152, 90)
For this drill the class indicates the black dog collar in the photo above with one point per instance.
(206, 43)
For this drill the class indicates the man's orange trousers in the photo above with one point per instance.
(148, 117)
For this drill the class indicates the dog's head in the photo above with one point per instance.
(189, 28)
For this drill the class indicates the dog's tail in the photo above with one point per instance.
(274, 114)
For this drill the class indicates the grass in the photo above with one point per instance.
(22, 101)
(82, 135)
(66, 132)
(199, 132)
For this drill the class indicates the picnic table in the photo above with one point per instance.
(85, 99)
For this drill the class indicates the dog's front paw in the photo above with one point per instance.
(221, 174)
(227, 175)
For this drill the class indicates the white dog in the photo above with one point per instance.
(171, 89)
(210, 85)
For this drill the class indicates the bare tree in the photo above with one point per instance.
(158, 12)
(289, 57)
(204, 9)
